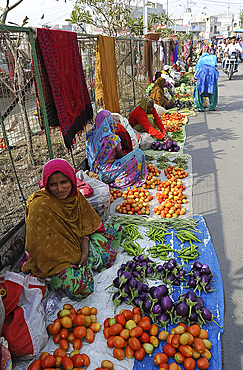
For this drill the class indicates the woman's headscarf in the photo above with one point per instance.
(206, 59)
(144, 103)
(157, 73)
(55, 227)
(63, 166)
(101, 140)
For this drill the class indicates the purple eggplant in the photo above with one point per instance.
(191, 284)
(146, 306)
(143, 296)
(166, 303)
(125, 277)
(159, 292)
(182, 309)
(163, 319)
(157, 309)
(197, 265)
(208, 316)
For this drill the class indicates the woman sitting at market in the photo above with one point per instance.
(144, 118)
(158, 96)
(206, 75)
(105, 155)
(65, 238)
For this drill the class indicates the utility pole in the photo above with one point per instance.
(145, 17)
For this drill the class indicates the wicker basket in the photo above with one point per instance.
(155, 36)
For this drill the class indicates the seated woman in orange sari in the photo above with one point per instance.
(65, 239)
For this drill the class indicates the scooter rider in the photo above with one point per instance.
(230, 48)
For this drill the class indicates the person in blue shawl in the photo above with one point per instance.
(105, 156)
(206, 74)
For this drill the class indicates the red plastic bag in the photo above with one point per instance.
(24, 325)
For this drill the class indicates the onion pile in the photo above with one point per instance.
(169, 146)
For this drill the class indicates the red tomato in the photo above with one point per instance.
(186, 350)
(78, 360)
(136, 318)
(118, 341)
(59, 352)
(67, 363)
(129, 352)
(120, 319)
(154, 329)
(64, 333)
(134, 343)
(118, 353)
(64, 344)
(136, 332)
(164, 366)
(106, 322)
(125, 334)
(36, 365)
(144, 338)
(77, 343)
(79, 331)
(203, 363)
(139, 354)
(89, 336)
(169, 350)
(110, 341)
(95, 326)
(78, 320)
(160, 358)
(56, 338)
(189, 364)
(106, 332)
(48, 361)
(86, 359)
(127, 314)
(115, 329)
(199, 345)
(71, 337)
(56, 327)
(145, 324)
(58, 362)
(136, 310)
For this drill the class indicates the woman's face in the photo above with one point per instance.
(150, 107)
(59, 185)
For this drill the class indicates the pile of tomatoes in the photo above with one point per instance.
(153, 170)
(114, 194)
(173, 122)
(175, 172)
(152, 177)
(172, 198)
(69, 329)
(187, 345)
(135, 202)
(130, 335)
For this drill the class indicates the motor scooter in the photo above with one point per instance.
(231, 64)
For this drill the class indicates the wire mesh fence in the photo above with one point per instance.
(25, 143)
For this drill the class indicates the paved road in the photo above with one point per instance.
(215, 142)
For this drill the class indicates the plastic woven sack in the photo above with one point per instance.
(100, 200)
(24, 325)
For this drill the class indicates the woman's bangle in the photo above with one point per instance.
(86, 237)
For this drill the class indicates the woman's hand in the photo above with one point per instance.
(84, 252)
(167, 138)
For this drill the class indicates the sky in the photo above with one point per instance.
(57, 11)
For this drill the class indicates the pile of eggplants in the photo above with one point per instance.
(190, 310)
(132, 289)
(169, 146)
(200, 278)
(171, 272)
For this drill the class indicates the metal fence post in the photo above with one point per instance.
(38, 79)
(5, 138)
(133, 85)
